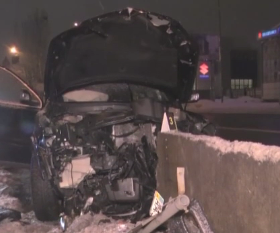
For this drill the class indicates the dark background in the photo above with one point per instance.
(240, 18)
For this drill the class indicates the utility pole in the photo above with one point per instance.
(220, 48)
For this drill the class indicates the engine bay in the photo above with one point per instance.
(105, 161)
(112, 165)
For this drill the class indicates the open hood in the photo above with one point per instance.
(132, 46)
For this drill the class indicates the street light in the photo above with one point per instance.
(76, 24)
(14, 54)
(13, 50)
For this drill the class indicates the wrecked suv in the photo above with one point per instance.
(108, 83)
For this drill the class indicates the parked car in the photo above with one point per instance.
(107, 85)
(18, 107)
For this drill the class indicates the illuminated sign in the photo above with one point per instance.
(204, 71)
(269, 33)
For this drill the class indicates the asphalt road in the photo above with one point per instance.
(263, 128)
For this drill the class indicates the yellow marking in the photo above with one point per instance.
(171, 120)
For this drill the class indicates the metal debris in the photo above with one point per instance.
(12, 215)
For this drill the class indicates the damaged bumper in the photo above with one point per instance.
(108, 157)
(114, 165)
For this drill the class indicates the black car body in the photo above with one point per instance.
(107, 84)
(130, 46)
(18, 106)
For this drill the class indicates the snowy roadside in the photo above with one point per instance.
(256, 151)
(15, 194)
(84, 224)
(239, 105)
(15, 191)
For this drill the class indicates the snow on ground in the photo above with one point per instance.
(15, 189)
(257, 151)
(84, 224)
(15, 194)
(243, 104)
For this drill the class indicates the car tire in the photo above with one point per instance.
(45, 203)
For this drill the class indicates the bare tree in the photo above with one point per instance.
(32, 37)
(6, 63)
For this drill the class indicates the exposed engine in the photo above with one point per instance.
(112, 166)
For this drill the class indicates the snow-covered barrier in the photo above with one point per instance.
(237, 183)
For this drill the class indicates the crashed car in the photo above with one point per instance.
(108, 83)
(19, 105)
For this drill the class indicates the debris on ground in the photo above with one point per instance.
(16, 213)
(6, 213)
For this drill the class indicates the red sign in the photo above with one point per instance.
(204, 69)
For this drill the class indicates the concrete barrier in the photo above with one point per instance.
(237, 184)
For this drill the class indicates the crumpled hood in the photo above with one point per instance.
(132, 46)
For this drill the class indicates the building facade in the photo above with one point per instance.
(270, 55)
(243, 71)
(236, 75)
(207, 81)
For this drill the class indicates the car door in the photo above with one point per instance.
(18, 107)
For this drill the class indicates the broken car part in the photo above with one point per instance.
(197, 212)
(12, 215)
(109, 156)
(108, 83)
(180, 203)
(113, 164)
(182, 216)
(196, 124)
(194, 221)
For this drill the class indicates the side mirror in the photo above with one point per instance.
(25, 97)
(194, 98)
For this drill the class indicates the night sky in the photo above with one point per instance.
(240, 18)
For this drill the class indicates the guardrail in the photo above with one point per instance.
(238, 191)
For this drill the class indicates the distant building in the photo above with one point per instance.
(239, 67)
(270, 56)
(243, 71)
(207, 81)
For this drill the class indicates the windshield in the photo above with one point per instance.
(114, 93)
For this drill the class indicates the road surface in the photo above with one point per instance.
(263, 128)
